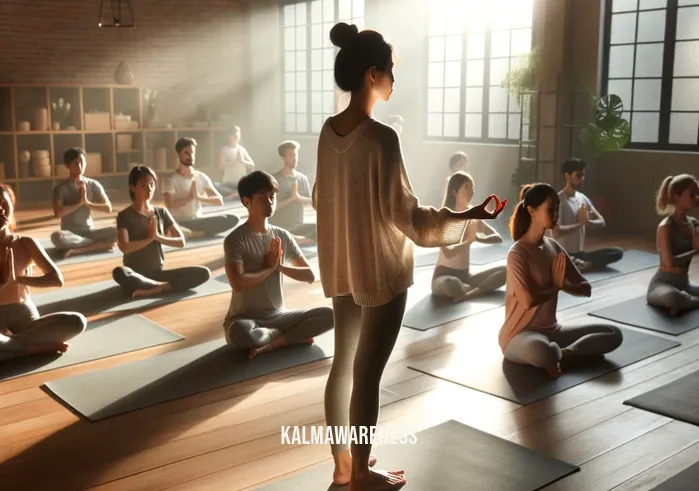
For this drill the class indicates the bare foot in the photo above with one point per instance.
(150, 291)
(276, 343)
(309, 341)
(67, 253)
(37, 349)
(554, 371)
(191, 234)
(343, 468)
(378, 481)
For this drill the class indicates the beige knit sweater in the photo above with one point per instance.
(367, 215)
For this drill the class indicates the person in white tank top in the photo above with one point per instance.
(236, 163)
(452, 276)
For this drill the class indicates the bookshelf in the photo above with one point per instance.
(108, 121)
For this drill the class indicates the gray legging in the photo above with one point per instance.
(364, 340)
(180, 279)
(296, 326)
(455, 284)
(29, 328)
(672, 291)
(543, 349)
(68, 239)
(600, 258)
(211, 225)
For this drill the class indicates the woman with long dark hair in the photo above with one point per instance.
(367, 217)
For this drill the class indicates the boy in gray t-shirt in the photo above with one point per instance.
(74, 199)
(257, 256)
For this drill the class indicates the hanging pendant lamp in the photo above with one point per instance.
(120, 14)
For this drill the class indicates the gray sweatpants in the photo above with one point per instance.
(458, 283)
(543, 349)
(295, 325)
(66, 239)
(672, 291)
(211, 225)
(28, 327)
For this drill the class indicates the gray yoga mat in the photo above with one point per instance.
(687, 480)
(479, 255)
(448, 457)
(677, 400)
(479, 365)
(132, 386)
(101, 339)
(636, 312)
(107, 296)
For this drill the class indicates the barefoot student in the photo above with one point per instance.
(23, 331)
(257, 257)
(74, 200)
(143, 230)
(452, 276)
(186, 189)
(368, 218)
(678, 243)
(537, 269)
(576, 214)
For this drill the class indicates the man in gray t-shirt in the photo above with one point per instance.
(74, 199)
(294, 194)
(257, 256)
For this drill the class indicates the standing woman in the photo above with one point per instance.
(367, 218)
(22, 330)
(142, 231)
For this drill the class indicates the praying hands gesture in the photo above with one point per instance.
(583, 215)
(8, 268)
(83, 193)
(153, 228)
(274, 255)
(295, 191)
(480, 212)
(558, 270)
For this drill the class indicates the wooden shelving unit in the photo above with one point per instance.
(106, 120)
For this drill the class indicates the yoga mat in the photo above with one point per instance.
(449, 457)
(479, 255)
(136, 385)
(687, 480)
(107, 296)
(234, 206)
(116, 253)
(101, 339)
(479, 365)
(632, 262)
(677, 400)
(636, 312)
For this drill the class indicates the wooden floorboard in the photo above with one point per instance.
(229, 438)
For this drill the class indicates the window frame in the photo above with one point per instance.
(309, 66)
(672, 10)
(485, 115)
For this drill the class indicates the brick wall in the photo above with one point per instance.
(193, 52)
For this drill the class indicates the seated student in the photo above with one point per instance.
(576, 213)
(236, 163)
(294, 195)
(678, 242)
(143, 229)
(452, 277)
(23, 331)
(537, 269)
(74, 199)
(458, 162)
(186, 189)
(257, 254)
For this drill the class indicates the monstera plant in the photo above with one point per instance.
(608, 131)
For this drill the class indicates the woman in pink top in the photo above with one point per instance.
(537, 269)
(22, 330)
(368, 218)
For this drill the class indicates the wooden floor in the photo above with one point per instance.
(229, 439)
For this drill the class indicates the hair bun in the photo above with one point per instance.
(343, 35)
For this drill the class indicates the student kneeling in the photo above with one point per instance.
(257, 254)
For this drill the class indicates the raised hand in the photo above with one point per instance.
(480, 212)
(83, 192)
(583, 215)
(152, 227)
(558, 270)
(193, 189)
(273, 256)
(295, 191)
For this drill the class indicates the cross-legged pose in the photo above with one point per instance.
(143, 230)
(74, 199)
(258, 255)
(186, 189)
(452, 276)
(236, 163)
(368, 218)
(678, 242)
(576, 213)
(23, 331)
(294, 195)
(537, 269)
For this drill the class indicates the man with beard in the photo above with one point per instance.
(257, 254)
(187, 189)
(294, 195)
(575, 214)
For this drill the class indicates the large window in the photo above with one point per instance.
(472, 46)
(310, 95)
(652, 63)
